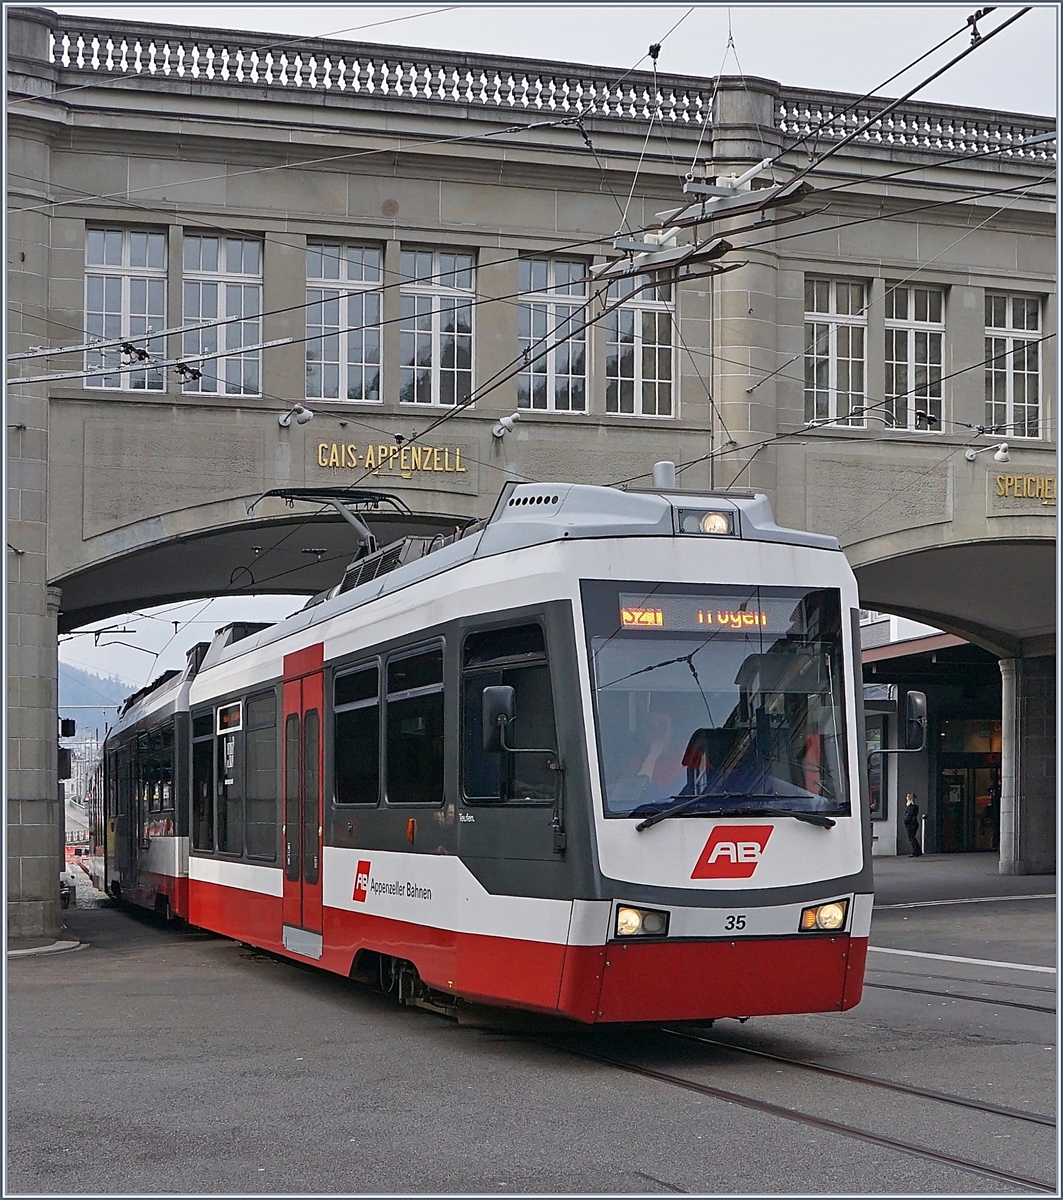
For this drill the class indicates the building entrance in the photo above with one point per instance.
(969, 786)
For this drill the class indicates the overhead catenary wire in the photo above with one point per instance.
(811, 427)
(515, 297)
(893, 104)
(572, 119)
(876, 90)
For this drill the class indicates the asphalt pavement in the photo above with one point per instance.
(163, 1060)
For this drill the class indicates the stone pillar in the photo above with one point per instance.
(1009, 750)
(34, 814)
(1028, 776)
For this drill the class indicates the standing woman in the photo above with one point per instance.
(911, 823)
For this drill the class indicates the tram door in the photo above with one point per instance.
(303, 704)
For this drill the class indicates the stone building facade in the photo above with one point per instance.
(378, 233)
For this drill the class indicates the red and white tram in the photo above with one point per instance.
(601, 757)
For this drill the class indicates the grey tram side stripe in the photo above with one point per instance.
(965, 900)
(975, 962)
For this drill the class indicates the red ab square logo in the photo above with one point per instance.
(361, 881)
(732, 852)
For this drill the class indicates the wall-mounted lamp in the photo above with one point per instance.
(1001, 455)
(300, 412)
(505, 425)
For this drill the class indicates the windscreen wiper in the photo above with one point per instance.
(688, 802)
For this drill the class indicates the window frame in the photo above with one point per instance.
(224, 279)
(912, 397)
(345, 289)
(1013, 337)
(377, 662)
(248, 727)
(640, 303)
(399, 654)
(834, 321)
(547, 301)
(203, 739)
(498, 665)
(428, 289)
(153, 380)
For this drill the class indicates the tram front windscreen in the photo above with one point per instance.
(729, 698)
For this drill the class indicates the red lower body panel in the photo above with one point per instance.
(245, 916)
(691, 981)
(150, 886)
(618, 982)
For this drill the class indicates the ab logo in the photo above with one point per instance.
(361, 881)
(732, 852)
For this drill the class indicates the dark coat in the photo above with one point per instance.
(911, 817)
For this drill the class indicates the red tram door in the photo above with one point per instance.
(303, 706)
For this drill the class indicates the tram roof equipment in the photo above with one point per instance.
(526, 515)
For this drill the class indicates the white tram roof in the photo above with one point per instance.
(533, 514)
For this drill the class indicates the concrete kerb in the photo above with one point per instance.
(52, 948)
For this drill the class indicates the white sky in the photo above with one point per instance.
(850, 48)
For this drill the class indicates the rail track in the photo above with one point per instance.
(916, 1149)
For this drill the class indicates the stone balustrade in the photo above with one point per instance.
(111, 48)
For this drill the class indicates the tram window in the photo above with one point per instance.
(291, 797)
(516, 657)
(261, 786)
(124, 773)
(112, 784)
(230, 797)
(166, 747)
(356, 737)
(203, 793)
(415, 728)
(203, 725)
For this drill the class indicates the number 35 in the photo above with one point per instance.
(734, 922)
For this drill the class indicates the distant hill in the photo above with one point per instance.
(91, 700)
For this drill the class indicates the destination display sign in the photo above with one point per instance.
(735, 613)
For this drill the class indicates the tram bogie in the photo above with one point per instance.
(599, 760)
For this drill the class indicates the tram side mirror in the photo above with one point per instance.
(915, 721)
(499, 706)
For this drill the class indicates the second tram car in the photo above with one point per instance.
(601, 757)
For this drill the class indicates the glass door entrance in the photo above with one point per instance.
(969, 792)
(970, 809)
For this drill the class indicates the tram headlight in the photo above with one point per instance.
(824, 917)
(716, 524)
(644, 922)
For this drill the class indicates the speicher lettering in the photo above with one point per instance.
(1027, 487)
(391, 459)
(400, 887)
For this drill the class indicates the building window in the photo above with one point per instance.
(875, 741)
(915, 337)
(223, 289)
(125, 297)
(835, 350)
(1013, 364)
(343, 322)
(435, 330)
(639, 351)
(552, 300)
